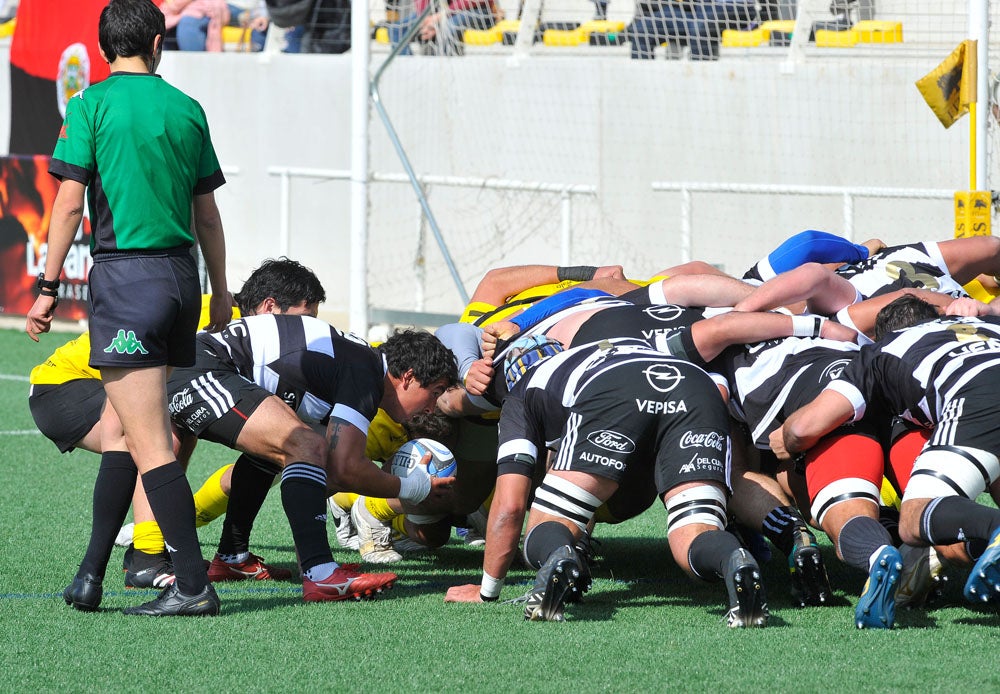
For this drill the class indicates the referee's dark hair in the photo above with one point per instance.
(906, 311)
(127, 29)
(419, 350)
(288, 282)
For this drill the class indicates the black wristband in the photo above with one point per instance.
(577, 273)
(43, 283)
(486, 599)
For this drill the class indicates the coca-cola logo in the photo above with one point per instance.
(708, 439)
(611, 441)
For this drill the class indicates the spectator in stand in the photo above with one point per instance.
(199, 23)
(443, 31)
(698, 24)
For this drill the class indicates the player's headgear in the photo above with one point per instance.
(524, 353)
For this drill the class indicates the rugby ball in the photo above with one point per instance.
(409, 456)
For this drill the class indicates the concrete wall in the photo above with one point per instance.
(596, 119)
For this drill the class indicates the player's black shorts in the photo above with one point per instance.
(66, 412)
(144, 310)
(665, 413)
(648, 323)
(212, 401)
(970, 416)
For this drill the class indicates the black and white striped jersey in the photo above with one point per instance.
(315, 368)
(915, 265)
(770, 380)
(536, 412)
(916, 372)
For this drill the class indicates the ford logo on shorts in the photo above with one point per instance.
(611, 441)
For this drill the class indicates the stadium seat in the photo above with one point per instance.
(235, 38)
(594, 32)
(381, 34)
(776, 32)
(866, 31)
(7, 28)
(879, 31)
(497, 34)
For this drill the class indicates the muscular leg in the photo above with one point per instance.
(968, 257)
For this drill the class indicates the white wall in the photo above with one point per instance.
(599, 119)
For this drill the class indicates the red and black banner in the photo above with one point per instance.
(27, 192)
(53, 54)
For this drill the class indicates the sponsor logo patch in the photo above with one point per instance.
(705, 439)
(663, 378)
(611, 441)
(125, 342)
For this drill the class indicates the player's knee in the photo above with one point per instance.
(304, 444)
(704, 504)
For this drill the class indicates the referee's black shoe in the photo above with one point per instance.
(85, 592)
(172, 602)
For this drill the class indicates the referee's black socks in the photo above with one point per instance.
(170, 497)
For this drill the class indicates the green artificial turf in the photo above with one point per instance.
(643, 627)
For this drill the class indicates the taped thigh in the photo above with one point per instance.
(559, 497)
(952, 471)
(705, 504)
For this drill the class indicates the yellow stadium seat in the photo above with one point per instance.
(734, 38)
(7, 28)
(487, 37)
(879, 31)
(836, 39)
(236, 38)
(382, 35)
(761, 36)
(865, 31)
(581, 35)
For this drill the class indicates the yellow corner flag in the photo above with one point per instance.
(950, 87)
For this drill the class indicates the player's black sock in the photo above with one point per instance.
(170, 497)
(889, 518)
(303, 496)
(113, 490)
(859, 539)
(543, 540)
(252, 480)
(709, 552)
(954, 519)
(780, 526)
(975, 548)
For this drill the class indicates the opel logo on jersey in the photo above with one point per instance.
(611, 441)
(833, 370)
(663, 377)
(667, 313)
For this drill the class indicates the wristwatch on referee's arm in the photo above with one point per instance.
(48, 288)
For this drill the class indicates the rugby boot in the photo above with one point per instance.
(345, 583)
(374, 536)
(586, 550)
(877, 606)
(252, 568)
(810, 584)
(747, 601)
(173, 603)
(144, 570)
(560, 576)
(922, 578)
(346, 534)
(85, 592)
(983, 584)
